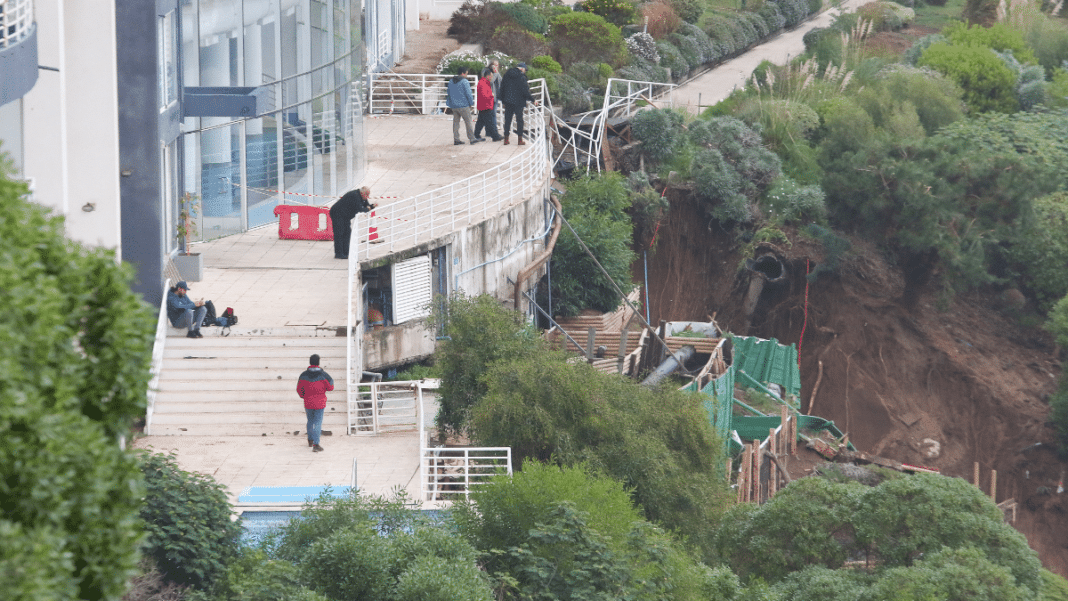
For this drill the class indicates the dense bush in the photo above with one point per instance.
(586, 37)
(74, 369)
(720, 30)
(793, 11)
(595, 207)
(687, 10)
(659, 131)
(788, 202)
(191, 536)
(988, 84)
(814, 522)
(479, 333)
(253, 576)
(998, 37)
(525, 16)
(617, 12)
(562, 533)
(935, 99)
(688, 48)
(520, 43)
(707, 51)
(658, 443)
(1040, 251)
(734, 171)
(546, 63)
(591, 75)
(671, 58)
(476, 20)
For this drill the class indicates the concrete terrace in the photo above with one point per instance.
(280, 284)
(297, 287)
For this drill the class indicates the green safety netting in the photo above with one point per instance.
(768, 361)
(719, 398)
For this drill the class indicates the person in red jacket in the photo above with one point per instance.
(487, 117)
(312, 386)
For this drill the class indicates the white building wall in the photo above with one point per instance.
(70, 119)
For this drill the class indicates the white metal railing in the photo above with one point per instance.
(380, 407)
(157, 356)
(16, 21)
(450, 473)
(422, 93)
(620, 101)
(419, 219)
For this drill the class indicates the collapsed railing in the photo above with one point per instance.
(587, 147)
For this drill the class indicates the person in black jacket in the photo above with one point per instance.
(341, 215)
(515, 92)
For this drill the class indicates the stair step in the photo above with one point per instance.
(238, 384)
(232, 416)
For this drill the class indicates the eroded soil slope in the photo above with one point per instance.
(942, 388)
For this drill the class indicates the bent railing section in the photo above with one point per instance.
(582, 137)
(380, 407)
(157, 358)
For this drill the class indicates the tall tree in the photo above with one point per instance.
(75, 347)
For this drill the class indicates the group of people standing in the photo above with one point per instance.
(511, 90)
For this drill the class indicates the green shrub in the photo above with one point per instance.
(190, 533)
(572, 97)
(706, 50)
(671, 58)
(253, 576)
(479, 333)
(687, 10)
(1054, 587)
(790, 202)
(616, 12)
(660, 132)
(589, 75)
(354, 563)
(773, 19)
(546, 63)
(1058, 322)
(526, 16)
(74, 370)
(998, 36)
(595, 207)
(520, 43)
(658, 443)
(794, 11)
(1040, 251)
(476, 20)
(432, 578)
(688, 48)
(720, 30)
(586, 37)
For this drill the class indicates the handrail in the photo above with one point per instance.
(157, 358)
(383, 96)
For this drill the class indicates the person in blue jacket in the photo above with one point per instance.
(183, 312)
(461, 101)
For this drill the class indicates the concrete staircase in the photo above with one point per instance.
(245, 383)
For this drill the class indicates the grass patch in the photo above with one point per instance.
(937, 17)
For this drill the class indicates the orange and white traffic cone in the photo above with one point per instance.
(372, 230)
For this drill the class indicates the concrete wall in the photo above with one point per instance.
(70, 120)
(480, 260)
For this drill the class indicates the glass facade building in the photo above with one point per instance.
(306, 143)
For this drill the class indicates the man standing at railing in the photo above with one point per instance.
(515, 92)
(341, 215)
(312, 386)
(461, 101)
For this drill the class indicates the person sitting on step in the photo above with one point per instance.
(183, 312)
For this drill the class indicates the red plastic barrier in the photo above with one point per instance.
(298, 222)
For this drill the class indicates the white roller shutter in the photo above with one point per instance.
(411, 289)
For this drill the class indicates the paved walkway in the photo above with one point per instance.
(296, 286)
(715, 85)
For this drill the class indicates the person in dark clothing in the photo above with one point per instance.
(515, 93)
(183, 312)
(312, 386)
(341, 215)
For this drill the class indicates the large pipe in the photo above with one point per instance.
(529, 269)
(669, 365)
(765, 269)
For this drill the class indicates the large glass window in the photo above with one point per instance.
(167, 37)
(307, 56)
